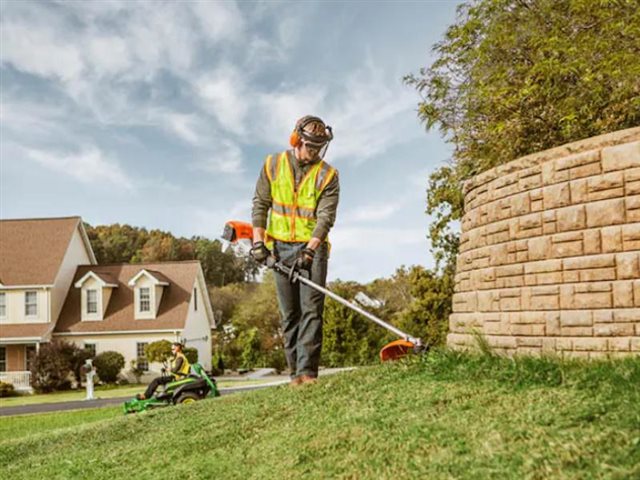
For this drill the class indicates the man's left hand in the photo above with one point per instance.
(305, 259)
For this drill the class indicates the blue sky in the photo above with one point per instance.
(160, 114)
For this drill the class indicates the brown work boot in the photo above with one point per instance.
(295, 381)
(140, 396)
(307, 379)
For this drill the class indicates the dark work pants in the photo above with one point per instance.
(301, 309)
(155, 383)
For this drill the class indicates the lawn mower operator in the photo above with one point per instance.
(180, 368)
(294, 207)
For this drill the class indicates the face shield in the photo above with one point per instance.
(316, 142)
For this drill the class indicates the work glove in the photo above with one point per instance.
(305, 259)
(260, 252)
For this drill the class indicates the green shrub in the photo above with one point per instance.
(108, 366)
(191, 354)
(7, 390)
(51, 367)
(136, 370)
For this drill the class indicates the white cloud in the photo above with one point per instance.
(371, 212)
(224, 157)
(226, 97)
(89, 166)
(219, 20)
(37, 49)
(375, 239)
(276, 112)
(369, 118)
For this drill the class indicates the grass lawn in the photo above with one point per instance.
(25, 425)
(445, 415)
(108, 392)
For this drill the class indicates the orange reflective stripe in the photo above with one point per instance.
(325, 174)
(267, 167)
(330, 175)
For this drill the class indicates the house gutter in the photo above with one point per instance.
(113, 332)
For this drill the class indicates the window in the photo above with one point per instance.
(91, 348)
(3, 304)
(3, 359)
(30, 353)
(92, 301)
(141, 357)
(145, 300)
(31, 304)
(195, 299)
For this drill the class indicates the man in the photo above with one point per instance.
(180, 368)
(301, 191)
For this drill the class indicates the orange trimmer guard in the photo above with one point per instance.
(395, 350)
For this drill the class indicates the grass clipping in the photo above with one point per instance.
(441, 415)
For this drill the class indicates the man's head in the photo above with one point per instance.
(176, 347)
(310, 138)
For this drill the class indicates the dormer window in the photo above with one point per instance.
(145, 300)
(148, 288)
(95, 293)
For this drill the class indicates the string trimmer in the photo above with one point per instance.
(236, 232)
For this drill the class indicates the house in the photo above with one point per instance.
(51, 287)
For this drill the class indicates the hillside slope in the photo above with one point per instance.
(445, 415)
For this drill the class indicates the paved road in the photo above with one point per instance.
(103, 402)
(84, 404)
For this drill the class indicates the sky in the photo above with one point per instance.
(160, 114)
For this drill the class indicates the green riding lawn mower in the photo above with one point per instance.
(197, 386)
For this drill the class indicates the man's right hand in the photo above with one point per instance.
(260, 252)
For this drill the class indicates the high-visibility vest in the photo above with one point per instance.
(184, 369)
(293, 211)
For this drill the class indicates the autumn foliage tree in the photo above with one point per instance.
(126, 244)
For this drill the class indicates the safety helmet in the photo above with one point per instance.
(313, 132)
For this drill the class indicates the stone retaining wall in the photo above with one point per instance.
(550, 252)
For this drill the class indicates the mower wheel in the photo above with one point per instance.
(188, 397)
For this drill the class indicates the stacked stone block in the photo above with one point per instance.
(550, 252)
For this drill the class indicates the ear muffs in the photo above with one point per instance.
(298, 134)
(294, 139)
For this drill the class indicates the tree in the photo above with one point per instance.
(427, 315)
(50, 368)
(253, 338)
(125, 244)
(349, 339)
(158, 351)
(513, 77)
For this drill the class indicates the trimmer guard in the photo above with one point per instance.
(396, 349)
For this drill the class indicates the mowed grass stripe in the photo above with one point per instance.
(442, 416)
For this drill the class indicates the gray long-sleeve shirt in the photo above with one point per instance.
(325, 210)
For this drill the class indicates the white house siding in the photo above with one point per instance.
(124, 344)
(15, 306)
(197, 326)
(76, 255)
